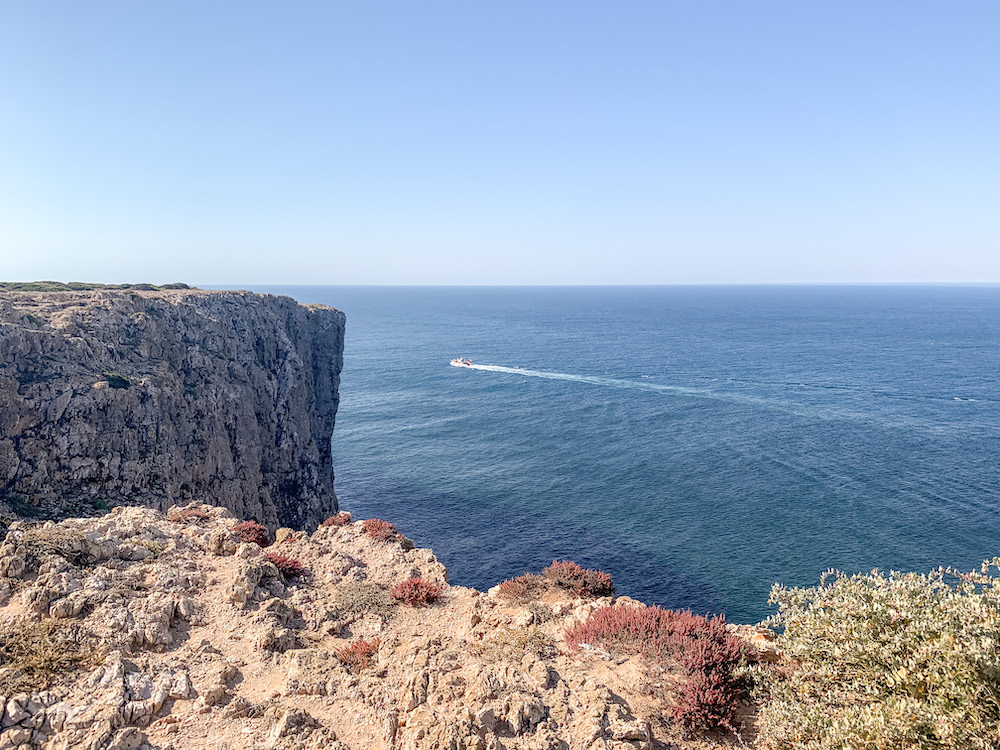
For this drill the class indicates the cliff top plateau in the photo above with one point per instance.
(138, 395)
(145, 630)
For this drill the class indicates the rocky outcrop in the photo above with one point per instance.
(138, 631)
(111, 397)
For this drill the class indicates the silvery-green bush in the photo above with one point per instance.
(886, 662)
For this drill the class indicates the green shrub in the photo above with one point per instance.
(904, 661)
(116, 380)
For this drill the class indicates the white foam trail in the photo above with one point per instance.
(593, 380)
(640, 385)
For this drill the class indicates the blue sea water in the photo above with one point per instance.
(698, 443)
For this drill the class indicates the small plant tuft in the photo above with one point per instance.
(340, 519)
(561, 574)
(416, 590)
(252, 532)
(357, 599)
(359, 653)
(568, 575)
(380, 531)
(522, 588)
(116, 380)
(289, 567)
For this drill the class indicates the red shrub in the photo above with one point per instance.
(707, 701)
(706, 652)
(415, 590)
(523, 587)
(289, 567)
(380, 530)
(341, 519)
(251, 532)
(568, 575)
(359, 653)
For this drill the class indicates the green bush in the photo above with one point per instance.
(116, 380)
(904, 661)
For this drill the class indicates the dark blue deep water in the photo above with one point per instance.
(698, 443)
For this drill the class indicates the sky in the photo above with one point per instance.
(515, 142)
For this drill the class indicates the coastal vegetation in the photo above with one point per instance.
(288, 566)
(416, 590)
(561, 574)
(707, 656)
(905, 660)
(874, 661)
(252, 532)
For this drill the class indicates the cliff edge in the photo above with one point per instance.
(144, 631)
(153, 397)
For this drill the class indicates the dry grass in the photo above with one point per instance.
(360, 599)
(38, 543)
(514, 643)
(36, 653)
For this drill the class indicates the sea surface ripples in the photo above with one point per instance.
(698, 443)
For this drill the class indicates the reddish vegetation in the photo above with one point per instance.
(289, 567)
(416, 590)
(520, 587)
(359, 653)
(563, 574)
(380, 530)
(251, 532)
(569, 575)
(341, 519)
(183, 515)
(702, 647)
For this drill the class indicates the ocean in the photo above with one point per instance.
(697, 443)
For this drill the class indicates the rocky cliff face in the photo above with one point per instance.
(112, 397)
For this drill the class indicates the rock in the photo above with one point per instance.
(180, 687)
(184, 668)
(154, 397)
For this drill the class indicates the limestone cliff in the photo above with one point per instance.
(137, 631)
(153, 397)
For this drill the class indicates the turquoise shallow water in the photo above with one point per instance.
(698, 443)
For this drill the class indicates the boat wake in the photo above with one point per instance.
(643, 385)
(595, 380)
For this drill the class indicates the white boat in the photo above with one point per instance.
(459, 362)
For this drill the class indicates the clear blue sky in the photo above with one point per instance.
(514, 142)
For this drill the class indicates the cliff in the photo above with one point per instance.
(154, 397)
(137, 630)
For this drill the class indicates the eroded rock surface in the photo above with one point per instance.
(176, 634)
(112, 397)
